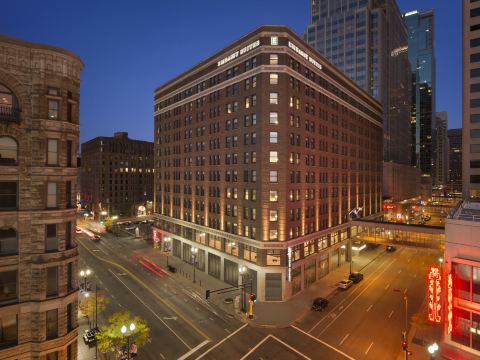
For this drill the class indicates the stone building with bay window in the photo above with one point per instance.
(39, 136)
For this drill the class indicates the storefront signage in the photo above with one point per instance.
(449, 303)
(434, 295)
(289, 262)
(238, 53)
(304, 55)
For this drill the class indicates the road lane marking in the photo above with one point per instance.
(369, 308)
(386, 287)
(356, 297)
(163, 357)
(153, 312)
(331, 315)
(138, 280)
(344, 338)
(323, 343)
(366, 352)
(276, 339)
(399, 271)
(228, 331)
(221, 342)
(389, 316)
(194, 350)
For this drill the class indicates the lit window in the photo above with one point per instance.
(273, 137)
(273, 59)
(8, 151)
(273, 234)
(274, 156)
(53, 109)
(273, 215)
(274, 118)
(52, 152)
(247, 102)
(273, 176)
(274, 98)
(273, 195)
(274, 40)
(273, 79)
(290, 102)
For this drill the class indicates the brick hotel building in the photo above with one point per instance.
(261, 151)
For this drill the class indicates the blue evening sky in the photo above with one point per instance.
(131, 47)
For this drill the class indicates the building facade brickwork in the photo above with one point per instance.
(117, 175)
(39, 132)
(261, 152)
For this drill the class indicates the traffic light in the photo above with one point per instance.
(404, 341)
(207, 294)
(404, 345)
(253, 298)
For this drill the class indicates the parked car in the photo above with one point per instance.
(78, 230)
(96, 237)
(345, 284)
(89, 337)
(130, 228)
(356, 277)
(391, 248)
(144, 221)
(319, 304)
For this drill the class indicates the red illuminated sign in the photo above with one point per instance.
(434, 295)
(450, 303)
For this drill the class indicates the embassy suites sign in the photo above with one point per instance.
(304, 55)
(238, 53)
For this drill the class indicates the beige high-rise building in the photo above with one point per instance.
(471, 98)
(39, 135)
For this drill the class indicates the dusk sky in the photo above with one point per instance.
(131, 47)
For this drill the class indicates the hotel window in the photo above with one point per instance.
(247, 84)
(290, 102)
(8, 286)
(52, 281)
(273, 137)
(8, 195)
(274, 98)
(8, 330)
(52, 152)
(51, 324)
(273, 234)
(273, 157)
(273, 195)
(273, 59)
(8, 151)
(254, 157)
(254, 82)
(249, 252)
(51, 195)
(273, 257)
(247, 102)
(273, 176)
(53, 106)
(297, 103)
(51, 240)
(274, 40)
(273, 79)
(254, 214)
(274, 118)
(308, 248)
(254, 116)
(8, 241)
(273, 215)
(246, 194)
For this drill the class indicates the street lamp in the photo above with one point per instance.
(242, 270)
(194, 257)
(432, 350)
(166, 248)
(123, 330)
(85, 274)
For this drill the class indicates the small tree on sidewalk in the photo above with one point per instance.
(110, 337)
(88, 306)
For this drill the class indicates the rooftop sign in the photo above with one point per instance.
(304, 55)
(237, 53)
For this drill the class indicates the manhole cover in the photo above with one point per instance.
(228, 301)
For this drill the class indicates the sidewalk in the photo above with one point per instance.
(266, 314)
(85, 352)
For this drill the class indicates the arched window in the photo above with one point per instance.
(8, 241)
(8, 151)
(9, 110)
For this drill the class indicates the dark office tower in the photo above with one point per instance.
(422, 61)
(440, 168)
(471, 98)
(39, 128)
(367, 40)
(455, 160)
(261, 151)
(117, 176)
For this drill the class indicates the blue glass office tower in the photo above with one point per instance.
(422, 61)
(367, 40)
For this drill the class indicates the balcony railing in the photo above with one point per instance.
(9, 113)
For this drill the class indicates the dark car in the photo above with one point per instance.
(319, 304)
(89, 337)
(391, 248)
(356, 277)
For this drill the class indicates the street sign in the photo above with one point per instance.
(167, 253)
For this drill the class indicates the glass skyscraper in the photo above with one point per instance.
(422, 61)
(367, 40)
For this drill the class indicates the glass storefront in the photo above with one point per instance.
(296, 280)
(309, 274)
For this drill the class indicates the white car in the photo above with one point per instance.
(344, 284)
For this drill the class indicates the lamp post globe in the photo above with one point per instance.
(123, 330)
(132, 326)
